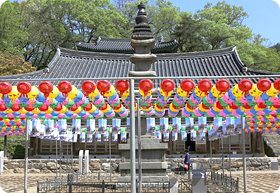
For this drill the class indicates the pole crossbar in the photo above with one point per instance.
(139, 78)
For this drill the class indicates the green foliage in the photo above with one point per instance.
(14, 150)
(187, 34)
(53, 23)
(12, 34)
(14, 64)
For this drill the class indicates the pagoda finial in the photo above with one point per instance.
(142, 27)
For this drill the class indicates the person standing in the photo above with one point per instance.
(187, 162)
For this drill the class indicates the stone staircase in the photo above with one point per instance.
(272, 140)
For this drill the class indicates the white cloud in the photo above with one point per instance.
(277, 1)
(2, 1)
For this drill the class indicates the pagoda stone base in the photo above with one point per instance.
(153, 161)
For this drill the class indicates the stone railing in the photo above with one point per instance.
(49, 165)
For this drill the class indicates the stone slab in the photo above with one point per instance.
(145, 165)
(145, 179)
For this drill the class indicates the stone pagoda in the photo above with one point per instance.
(152, 151)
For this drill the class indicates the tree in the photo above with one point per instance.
(12, 34)
(187, 34)
(163, 17)
(51, 24)
(14, 64)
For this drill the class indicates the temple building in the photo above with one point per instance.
(110, 57)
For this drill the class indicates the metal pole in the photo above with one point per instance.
(110, 138)
(26, 157)
(211, 155)
(5, 145)
(229, 149)
(56, 156)
(244, 154)
(132, 138)
(223, 156)
(60, 152)
(67, 158)
(139, 147)
(72, 156)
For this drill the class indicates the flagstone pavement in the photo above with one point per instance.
(257, 181)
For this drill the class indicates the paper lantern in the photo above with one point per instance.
(29, 107)
(24, 87)
(43, 107)
(222, 85)
(5, 88)
(263, 84)
(88, 86)
(65, 87)
(276, 84)
(122, 86)
(46, 88)
(187, 85)
(146, 85)
(15, 107)
(103, 86)
(204, 85)
(245, 85)
(167, 85)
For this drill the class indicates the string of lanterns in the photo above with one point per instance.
(259, 103)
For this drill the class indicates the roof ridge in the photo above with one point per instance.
(230, 49)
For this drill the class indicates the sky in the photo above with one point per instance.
(264, 15)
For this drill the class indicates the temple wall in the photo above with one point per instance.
(49, 165)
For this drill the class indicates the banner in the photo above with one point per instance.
(128, 125)
(202, 124)
(102, 125)
(90, 126)
(89, 138)
(151, 124)
(166, 136)
(184, 136)
(176, 125)
(82, 137)
(163, 125)
(62, 126)
(123, 136)
(116, 126)
(189, 123)
(76, 126)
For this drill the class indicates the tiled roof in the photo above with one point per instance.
(81, 64)
(122, 45)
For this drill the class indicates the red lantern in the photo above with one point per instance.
(58, 107)
(276, 84)
(88, 86)
(219, 106)
(246, 106)
(222, 85)
(264, 84)
(65, 87)
(167, 85)
(46, 87)
(187, 85)
(103, 86)
(146, 85)
(117, 107)
(29, 107)
(5, 88)
(44, 107)
(161, 107)
(103, 107)
(233, 106)
(74, 107)
(276, 106)
(24, 88)
(88, 107)
(262, 105)
(15, 107)
(204, 85)
(122, 86)
(245, 85)
(3, 107)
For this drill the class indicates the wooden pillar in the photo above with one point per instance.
(254, 142)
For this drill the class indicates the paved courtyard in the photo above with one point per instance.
(258, 181)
